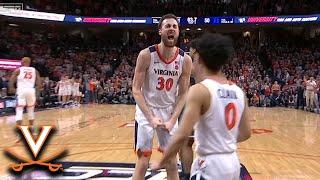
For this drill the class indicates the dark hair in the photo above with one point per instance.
(214, 50)
(194, 43)
(167, 16)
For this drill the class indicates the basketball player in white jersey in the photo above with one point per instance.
(60, 89)
(68, 88)
(311, 86)
(160, 85)
(186, 152)
(26, 78)
(76, 91)
(218, 110)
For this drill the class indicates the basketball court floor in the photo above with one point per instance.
(285, 143)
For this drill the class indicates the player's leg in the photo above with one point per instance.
(312, 101)
(31, 100)
(307, 100)
(64, 96)
(143, 147)
(21, 103)
(316, 103)
(171, 167)
(186, 156)
(60, 96)
(163, 139)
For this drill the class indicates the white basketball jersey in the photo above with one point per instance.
(62, 85)
(76, 86)
(68, 84)
(310, 85)
(26, 77)
(161, 81)
(217, 130)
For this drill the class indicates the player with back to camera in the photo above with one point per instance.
(26, 78)
(218, 109)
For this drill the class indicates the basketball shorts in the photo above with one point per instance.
(75, 92)
(68, 92)
(61, 92)
(26, 97)
(144, 132)
(216, 166)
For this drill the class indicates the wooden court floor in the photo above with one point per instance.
(285, 143)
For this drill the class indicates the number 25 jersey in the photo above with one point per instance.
(26, 77)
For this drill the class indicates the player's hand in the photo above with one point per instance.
(157, 122)
(169, 125)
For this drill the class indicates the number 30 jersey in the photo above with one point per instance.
(26, 77)
(161, 81)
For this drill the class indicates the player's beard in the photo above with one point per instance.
(169, 43)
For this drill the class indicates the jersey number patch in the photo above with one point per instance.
(27, 75)
(163, 83)
(231, 114)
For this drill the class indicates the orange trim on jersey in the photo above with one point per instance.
(162, 58)
(144, 153)
(25, 105)
(31, 105)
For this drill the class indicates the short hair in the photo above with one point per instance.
(215, 50)
(194, 44)
(167, 16)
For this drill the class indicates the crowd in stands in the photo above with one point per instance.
(179, 7)
(105, 69)
(288, 80)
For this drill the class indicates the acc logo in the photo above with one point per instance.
(35, 147)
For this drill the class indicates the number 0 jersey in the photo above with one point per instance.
(161, 81)
(217, 130)
(26, 77)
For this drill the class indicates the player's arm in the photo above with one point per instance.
(184, 83)
(244, 127)
(12, 80)
(57, 87)
(142, 65)
(38, 81)
(198, 102)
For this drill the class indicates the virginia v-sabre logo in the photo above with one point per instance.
(35, 146)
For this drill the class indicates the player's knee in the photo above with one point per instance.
(19, 112)
(30, 112)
